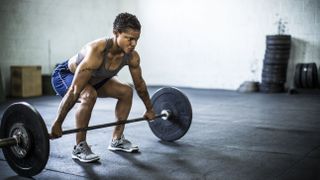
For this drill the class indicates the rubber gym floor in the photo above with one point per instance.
(233, 136)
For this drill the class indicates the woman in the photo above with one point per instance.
(91, 74)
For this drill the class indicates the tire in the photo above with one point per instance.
(297, 75)
(285, 47)
(278, 40)
(304, 75)
(312, 75)
(273, 61)
(276, 37)
(271, 87)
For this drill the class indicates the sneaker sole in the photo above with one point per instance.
(85, 160)
(121, 149)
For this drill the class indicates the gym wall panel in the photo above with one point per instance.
(46, 32)
(192, 43)
(220, 44)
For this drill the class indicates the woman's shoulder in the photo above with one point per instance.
(134, 59)
(97, 44)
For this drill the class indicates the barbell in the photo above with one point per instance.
(24, 138)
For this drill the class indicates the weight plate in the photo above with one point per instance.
(24, 142)
(180, 119)
(25, 116)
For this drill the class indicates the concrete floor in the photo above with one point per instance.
(233, 136)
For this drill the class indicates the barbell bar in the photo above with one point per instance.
(16, 139)
(70, 131)
(24, 138)
(8, 142)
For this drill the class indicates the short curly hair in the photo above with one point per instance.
(124, 21)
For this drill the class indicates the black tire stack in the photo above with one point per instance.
(306, 76)
(274, 72)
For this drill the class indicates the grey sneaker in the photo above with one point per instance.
(83, 153)
(122, 144)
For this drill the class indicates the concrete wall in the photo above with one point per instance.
(45, 32)
(217, 44)
(193, 43)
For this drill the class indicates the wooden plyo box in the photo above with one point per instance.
(26, 81)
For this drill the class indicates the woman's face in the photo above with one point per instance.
(127, 40)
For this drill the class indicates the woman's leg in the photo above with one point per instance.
(123, 93)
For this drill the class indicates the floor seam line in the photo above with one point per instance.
(48, 169)
(297, 162)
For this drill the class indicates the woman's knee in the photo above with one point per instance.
(88, 96)
(126, 92)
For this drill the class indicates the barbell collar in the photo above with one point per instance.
(167, 114)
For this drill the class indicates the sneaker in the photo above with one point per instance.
(83, 153)
(122, 144)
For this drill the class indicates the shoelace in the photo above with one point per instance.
(85, 148)
(126, 141)
(122, 140)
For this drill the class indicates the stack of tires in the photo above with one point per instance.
(275, 63)
(2, 94)
(306, 76)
